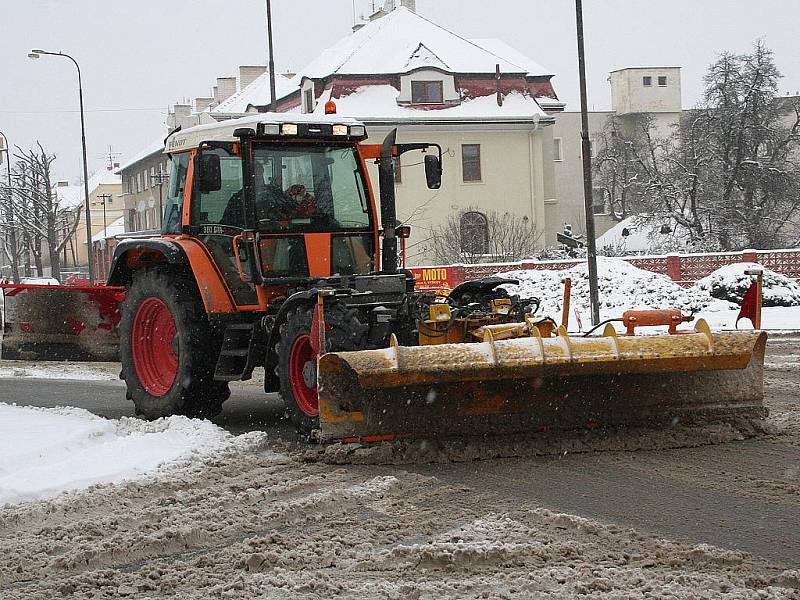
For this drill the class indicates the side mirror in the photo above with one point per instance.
(433, 171)
(210, 173)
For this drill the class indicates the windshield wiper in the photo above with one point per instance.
(360, 192)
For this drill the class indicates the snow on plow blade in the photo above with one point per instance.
(535, 384)
(61, 322)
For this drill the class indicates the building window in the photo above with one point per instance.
(558, 149)
(598, 201)
(471, 162)
(308, 101)
(427, 92)
(145, 179)
(662, 81)
(647, 81)
(398, 169)
(138, 182)
(474, 230)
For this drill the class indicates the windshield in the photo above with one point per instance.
(309, 188)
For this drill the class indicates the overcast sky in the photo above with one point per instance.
(138, 57)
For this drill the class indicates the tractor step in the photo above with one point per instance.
(233, 363)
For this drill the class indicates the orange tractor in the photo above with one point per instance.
(275, 253)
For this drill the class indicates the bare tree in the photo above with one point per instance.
(474, 236)
(44, 227)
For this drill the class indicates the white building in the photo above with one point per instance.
(486, 104)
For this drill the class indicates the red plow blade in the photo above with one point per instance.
(43, 322)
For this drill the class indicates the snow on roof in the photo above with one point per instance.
(378, 102)
(70, 196)
(155, 147)
(114, 229)
(399, 42)
(223, 130)
(500, 48)
(257, 93)
(386, 45)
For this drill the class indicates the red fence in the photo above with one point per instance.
(684, 269)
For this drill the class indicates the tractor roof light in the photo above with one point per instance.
(270, 129)
(289, 129)
(330, 107)
(358, 130)
(340, 130)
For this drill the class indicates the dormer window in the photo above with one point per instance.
(308, 96)
(427, 92)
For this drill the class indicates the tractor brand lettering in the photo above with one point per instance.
(213, 230)
(177, 143)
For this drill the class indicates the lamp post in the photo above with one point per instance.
(586, 148)
(271, 67)
(12, 234)
(33, 55)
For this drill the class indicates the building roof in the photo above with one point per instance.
(154, 147)
(70, 196)
(114, 229)
(378, 103)
(400, 42)
(223, 131)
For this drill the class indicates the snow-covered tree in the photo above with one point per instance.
(42, 224)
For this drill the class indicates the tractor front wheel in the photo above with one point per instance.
(169, 349)
(297, 359)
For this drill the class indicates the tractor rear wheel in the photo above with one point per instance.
(297, 360)
(169, 349)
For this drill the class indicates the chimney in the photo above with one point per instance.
(226, 87)
(409, 4)
(182, 110)
(249, 73)
(202, 104)
(62, 184)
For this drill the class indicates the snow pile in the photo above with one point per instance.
(621, 285)
(730, 283)
(44, 452)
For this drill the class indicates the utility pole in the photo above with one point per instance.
(273, 100)
(159, 179)
(586, 149)
(104, 243)
(12, 234)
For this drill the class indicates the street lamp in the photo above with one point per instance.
(34, 55)
(12, 234)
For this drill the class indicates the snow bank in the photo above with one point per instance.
(44, 452)
(622, 286)
(730, 283)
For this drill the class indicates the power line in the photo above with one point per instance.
(88, 110)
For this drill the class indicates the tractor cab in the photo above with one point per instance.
(279, 198)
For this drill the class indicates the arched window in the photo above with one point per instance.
(474, 233)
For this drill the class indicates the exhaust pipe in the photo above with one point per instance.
(388, 204)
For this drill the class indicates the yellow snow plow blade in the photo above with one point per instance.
(534, 384)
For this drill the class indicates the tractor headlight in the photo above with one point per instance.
(289, 129)
(358, 130)
(270, 128)
(340, 130)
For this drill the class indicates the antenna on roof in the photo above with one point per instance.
(110, 156)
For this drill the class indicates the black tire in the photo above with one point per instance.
(194, 392)
(344, 332)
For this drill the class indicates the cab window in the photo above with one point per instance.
(225, 205)
(174, 201)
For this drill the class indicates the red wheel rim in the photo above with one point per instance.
(300, 355)
(153, 346)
